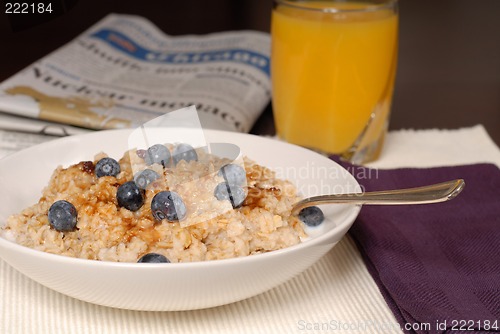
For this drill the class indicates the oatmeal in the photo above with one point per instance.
(158, 206)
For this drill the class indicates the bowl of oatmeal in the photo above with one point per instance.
(167, 227)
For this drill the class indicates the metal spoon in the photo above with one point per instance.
(421, 195)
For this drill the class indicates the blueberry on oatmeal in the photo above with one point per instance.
(184, 152)
(233, 174)
(168, 205)
(144, 178)
(62, 216)
(107, 167)
(158, 154)
(153, 258)
(230, 192)
(130, 196)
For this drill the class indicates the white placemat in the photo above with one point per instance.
(337, 294)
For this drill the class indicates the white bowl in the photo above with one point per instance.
(174, 286)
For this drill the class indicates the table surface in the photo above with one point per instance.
(449, 51)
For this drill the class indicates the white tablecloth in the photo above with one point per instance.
(336, 294)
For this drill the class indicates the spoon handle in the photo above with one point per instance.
(435, 193)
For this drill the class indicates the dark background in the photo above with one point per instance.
(449, 52)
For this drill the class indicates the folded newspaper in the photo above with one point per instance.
(124, 71)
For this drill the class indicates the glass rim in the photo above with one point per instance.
(389, 4)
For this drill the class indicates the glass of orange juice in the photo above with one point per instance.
(333, 65)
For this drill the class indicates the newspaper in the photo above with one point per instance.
(124, 71)
(12, 141)
(17, 133)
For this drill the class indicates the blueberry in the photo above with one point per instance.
(130, 196)
(62, 216)
(157, 154)
(153, 258)
(184, 152)
(230, 192)
(311, 216)
(107, 167)
(168, 205)
(145, 178)
(233, 174)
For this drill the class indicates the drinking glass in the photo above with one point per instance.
(333, 65)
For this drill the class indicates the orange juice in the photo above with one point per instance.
(332, 73)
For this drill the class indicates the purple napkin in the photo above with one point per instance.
(435, 264)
